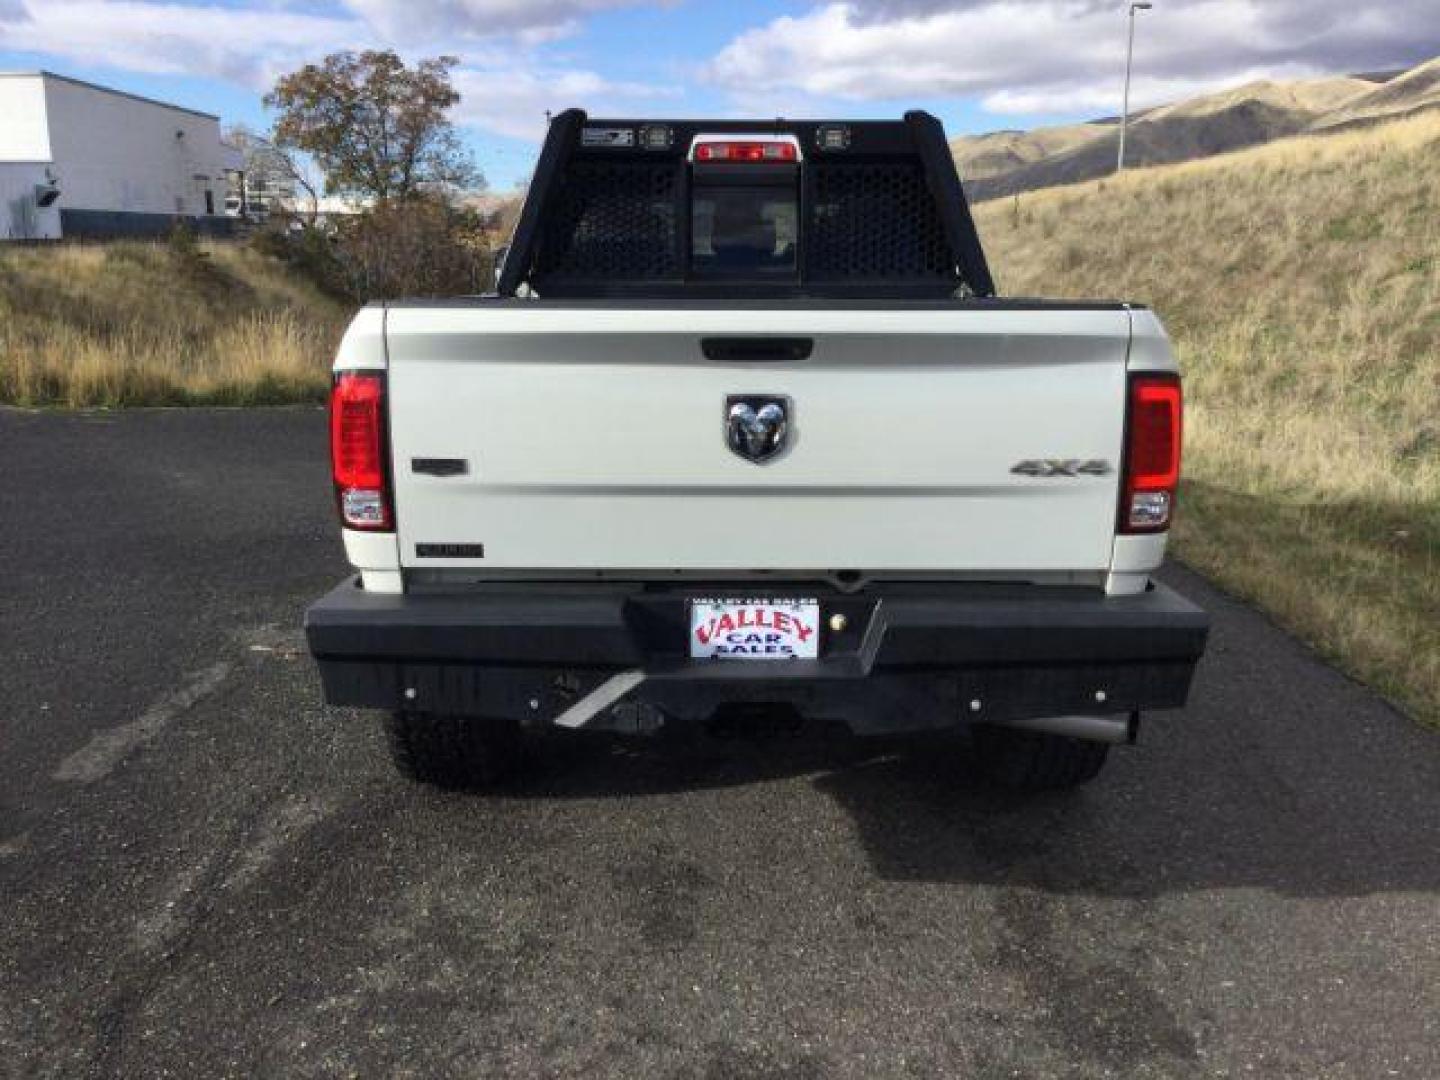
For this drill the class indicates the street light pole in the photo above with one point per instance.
(1139, 5)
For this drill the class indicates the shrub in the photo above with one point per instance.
(182, 241)
(419, 247)
(414, 247)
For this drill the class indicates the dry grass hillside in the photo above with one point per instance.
(1310, 97)
(980, 157)
(155, 324)
(1005, 162)
(1230, 119)
(1301, 283)
(1416, 89)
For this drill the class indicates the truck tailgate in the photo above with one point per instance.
(595, 438)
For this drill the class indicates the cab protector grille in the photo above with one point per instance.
(874, 220)
(883, 218)
(613, 219)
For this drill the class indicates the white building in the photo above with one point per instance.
(82, 160)
(327, 206)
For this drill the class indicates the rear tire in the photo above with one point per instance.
(1033, 761)
(453, 751)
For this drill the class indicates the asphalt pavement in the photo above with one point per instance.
(206, 872)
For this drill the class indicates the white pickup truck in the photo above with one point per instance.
(745, 432)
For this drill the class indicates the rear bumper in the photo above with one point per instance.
(912, 656)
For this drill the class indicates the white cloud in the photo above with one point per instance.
(435, 20)
(249, 47)
(512, 101)
(1062, 55)
(504, 90)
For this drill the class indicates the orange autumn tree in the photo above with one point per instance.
(375, 127)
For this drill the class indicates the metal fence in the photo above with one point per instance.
(120, 224)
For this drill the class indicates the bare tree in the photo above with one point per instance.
(271, 169)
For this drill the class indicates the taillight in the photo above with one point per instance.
(357, 450)
(742, 152)
(1152, 453)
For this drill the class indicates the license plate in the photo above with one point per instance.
(739, 629)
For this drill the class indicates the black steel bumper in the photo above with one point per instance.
(911, 656)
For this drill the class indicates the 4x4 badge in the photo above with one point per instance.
(756, 425)
(1062, 467)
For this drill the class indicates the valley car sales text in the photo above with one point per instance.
(758, 630)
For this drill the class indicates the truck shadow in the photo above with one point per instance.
(1143, 829)
(1209, 800)
(594, 766)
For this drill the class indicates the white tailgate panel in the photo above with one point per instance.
(595, 439)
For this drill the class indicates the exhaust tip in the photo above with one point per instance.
(1118, 729)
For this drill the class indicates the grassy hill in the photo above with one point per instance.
(999, 154)
(1006, 162)
(1409, 92)
(156, 324)
(1301, 282)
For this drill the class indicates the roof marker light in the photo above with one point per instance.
(750, 151)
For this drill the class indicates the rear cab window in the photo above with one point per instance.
(743, 231)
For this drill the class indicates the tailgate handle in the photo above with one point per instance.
(439, 466)
(756, 349)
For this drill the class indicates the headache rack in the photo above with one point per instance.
(867, 208)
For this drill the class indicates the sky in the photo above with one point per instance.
(980, 65)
